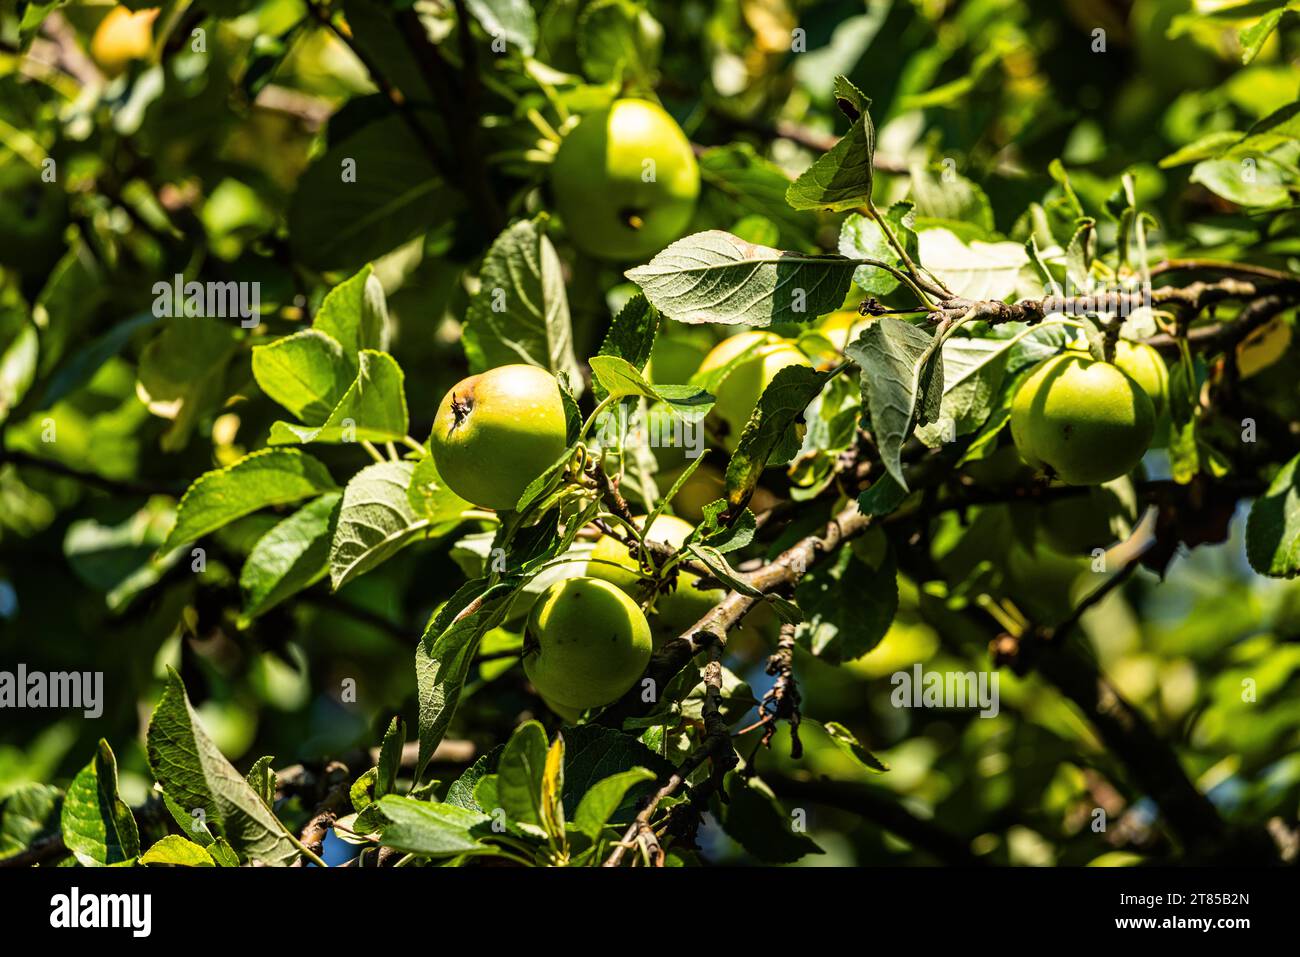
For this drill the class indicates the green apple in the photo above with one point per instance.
(765, 354)
(588, 644)
(625, 181)
(1083, 420)
(32, 216)
(674, 611)
(497, 431)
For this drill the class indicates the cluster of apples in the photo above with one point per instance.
(589, 637)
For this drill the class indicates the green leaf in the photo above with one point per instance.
(182, 373)
(373, 409)
(521, 311)
(902, 382)
(619, 41)
(945, 194)
(1273, 528)
(292, 556)
(716, 277)
(849, 606)
(862, 238)
(846, 741)
(97, 825)
(430, 830)
(975, 270)
(29, 814)
(631, 336)
(372, 190)
(619, 378)
(510, 20)
(375, 521)
(430, 498)
(552, 808)
(445, 653)
(604, 798)
(18, 368)
(520, 773)
(390, 757)
(305, 372)
(1255, 181)
(122, 560)
(196, 775)
(842, 177)
(355, 315)
(770, 437)
(752, 816)
(262, 779)
(1253, 37)
(177, 852)
(260, 479)
(593, 752)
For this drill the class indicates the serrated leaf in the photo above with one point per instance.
(1273, 528)
(390, 757)
(355, 315)
(902, 383)
(373, 409)
(258, 480)
(604, 798)
(375, 520)
(631, 336)
(430, 829)
(305, 372)
(842, 177)
(196, 775)
(716, 277)
(292, 556)
(98, 827)
(31, 812)
(521, 311)
(262, 779)
(619, 378)
(176, 851)
(444, 655)
(769, 437)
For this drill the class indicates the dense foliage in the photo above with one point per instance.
(980, 311)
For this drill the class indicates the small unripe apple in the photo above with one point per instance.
(674, 611)
(121, 37)
(739, 392)
(497, 431)
(1082, 419)
(588, 644)
(625, 181)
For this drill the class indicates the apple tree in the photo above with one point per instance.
(605, 432)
